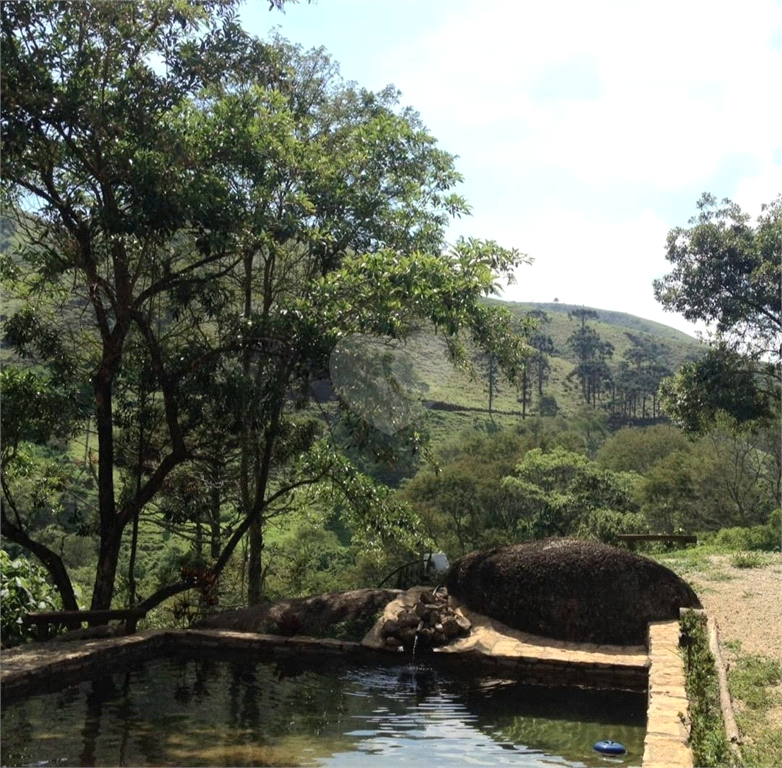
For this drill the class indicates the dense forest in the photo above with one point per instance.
(241, 362)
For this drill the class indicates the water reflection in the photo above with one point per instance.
(185, 712)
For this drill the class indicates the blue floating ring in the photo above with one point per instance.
(609, 748)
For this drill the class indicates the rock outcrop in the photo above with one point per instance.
(420, 619)
(567, 589)
(351, 614)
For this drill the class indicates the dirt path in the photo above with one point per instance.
(746, 602)
(747, 605)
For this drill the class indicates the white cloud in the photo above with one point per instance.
(603, 264)
(682, 86)
(586, 130)
(753, 192)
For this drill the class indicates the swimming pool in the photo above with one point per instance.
(188, 712)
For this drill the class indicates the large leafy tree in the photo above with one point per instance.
(90, 152)
(726, 273)
(219, 212)
(557, 491)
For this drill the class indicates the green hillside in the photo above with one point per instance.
(445, 388)
(612, 326)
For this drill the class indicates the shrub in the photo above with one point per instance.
(23, 588)
(759, 537)
(710, 746)
(354, 630)
(774, 526)
(746, 560)
(548, 406)
(605, 525)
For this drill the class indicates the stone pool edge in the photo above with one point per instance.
(667, 740)
(33, 668)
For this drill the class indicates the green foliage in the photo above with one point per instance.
(311, 562)
(592, 353)
(355, 630)
(207, 219)
(746, 560)
(556, 491)
(727, 478)
(707, 733)
(671, 348)
(726, 272)
(605, 525)
(35, 409)
(637, 379)
(756, 538)
(461, 501)
(723, 382)
(23, 588)
(635, 449)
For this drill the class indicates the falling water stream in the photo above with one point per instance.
(415, 641)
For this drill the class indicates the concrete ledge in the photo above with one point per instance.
(667, 736)
(47, 666)
(44, 667)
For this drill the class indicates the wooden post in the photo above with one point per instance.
(731, 729)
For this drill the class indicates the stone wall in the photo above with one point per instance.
(39, 668)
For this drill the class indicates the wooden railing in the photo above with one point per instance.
(74, 619)
(631, 539)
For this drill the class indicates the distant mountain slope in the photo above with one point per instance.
(613, 327)
(621, 319)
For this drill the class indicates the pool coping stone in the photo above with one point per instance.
(39, 667)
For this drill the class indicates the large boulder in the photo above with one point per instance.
(341, 614)
(566, 589)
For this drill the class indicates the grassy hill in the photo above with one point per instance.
(450, 390)
(613, 327)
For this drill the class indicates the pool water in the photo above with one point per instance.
(237, 713)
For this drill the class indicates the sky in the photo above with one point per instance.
(585, 131)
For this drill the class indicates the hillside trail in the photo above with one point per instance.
(747, 605)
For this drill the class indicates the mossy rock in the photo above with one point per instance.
(345, 615)
(566, 589)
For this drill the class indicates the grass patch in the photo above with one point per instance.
(749, 681)
(709, 744)
(762, 745)
(683, 560)
(750, 677)
(734, 646)
(747, 560)
(717, 575)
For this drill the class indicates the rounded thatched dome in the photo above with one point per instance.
(566, 589)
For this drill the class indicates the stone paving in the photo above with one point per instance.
(667, 733)
(494, 638)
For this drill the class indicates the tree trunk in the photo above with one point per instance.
(132, 563)
(139, 465)
(50, 560)
(214, 519)
(111, 525)
(255, 563)
(106, 571)
(491, 382)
